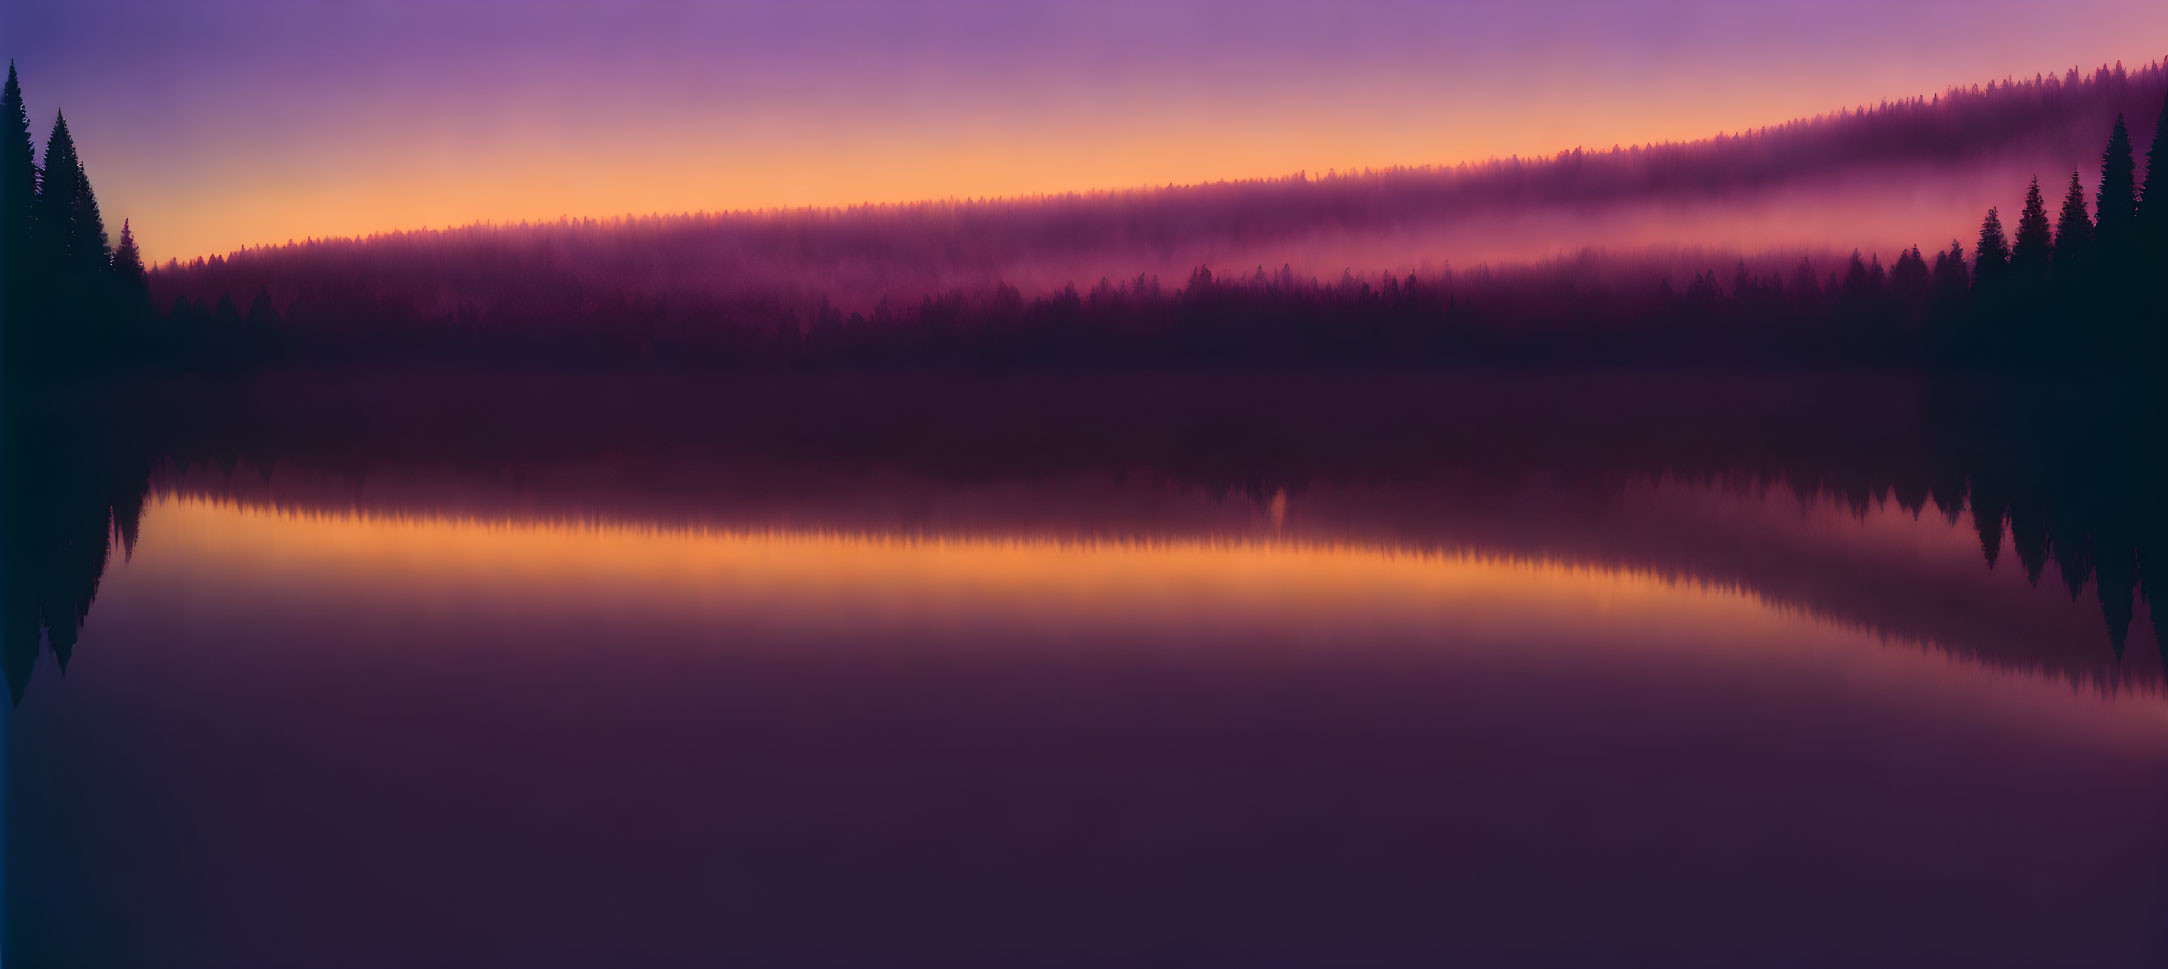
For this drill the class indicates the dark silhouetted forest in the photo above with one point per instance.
(74, 299)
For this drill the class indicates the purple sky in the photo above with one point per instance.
(231, 122)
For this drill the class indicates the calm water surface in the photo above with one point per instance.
(556, 715)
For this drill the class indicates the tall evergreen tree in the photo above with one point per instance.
(2029, 259)
(18, 192)
(127, 259)
(87, 239)
(1947, 291)
(2153, 195)
(67, 210)
(2073, 227)
(2115, 203)
(131, 289)
(2152, 230)
(1950, 279)
(1991, 256)
(2070, 269)
(18, 159)
(49, 214)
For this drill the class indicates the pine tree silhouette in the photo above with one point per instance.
(67, 210)
(1951, 281)
(1991, 256)
(127, 259)
(2029, 259)
(1991, 312)
(2153, 195)
(2122, 282)
(2152, 232)
(18, 164)
(2115, 203)
(2071, 271)
(18, 196)
(70, 236)
(130, 302)
(2073, 228)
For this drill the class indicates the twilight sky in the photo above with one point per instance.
(221, 123)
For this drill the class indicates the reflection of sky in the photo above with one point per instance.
(1268, 585)
(230, 122)
(1914, 578)
(524, 743)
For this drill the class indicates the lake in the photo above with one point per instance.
(1384, 672)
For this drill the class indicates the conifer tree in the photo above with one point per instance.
(1991, 256)
(127, 259)
(67, 211)
(2029, 259)
(2115, 203)
(2073, 228)
(1991, 313)
(1948, 288)
(88, 239)
(49, 214)
(18, 195)
(18, 163)
(2153, 195)
(2152, 231)
(2071, 271)
(130, 285)
(1950, 276)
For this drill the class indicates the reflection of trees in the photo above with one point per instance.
(2078, 476)
(2072, 476)
(71, 496)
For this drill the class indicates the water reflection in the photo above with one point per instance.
(424, 691)
(1798, 513)
(71, 501)
(1255, 562)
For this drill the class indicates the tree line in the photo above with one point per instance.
(2082, 289)
(1530, 206)
(2091, 283)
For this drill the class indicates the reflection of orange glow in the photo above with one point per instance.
(1260, 592)
(1491, 595)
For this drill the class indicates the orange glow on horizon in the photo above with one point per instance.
(226, 125)
(509, 177)
(533, 171)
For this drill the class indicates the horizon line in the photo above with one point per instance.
(1086, 194)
